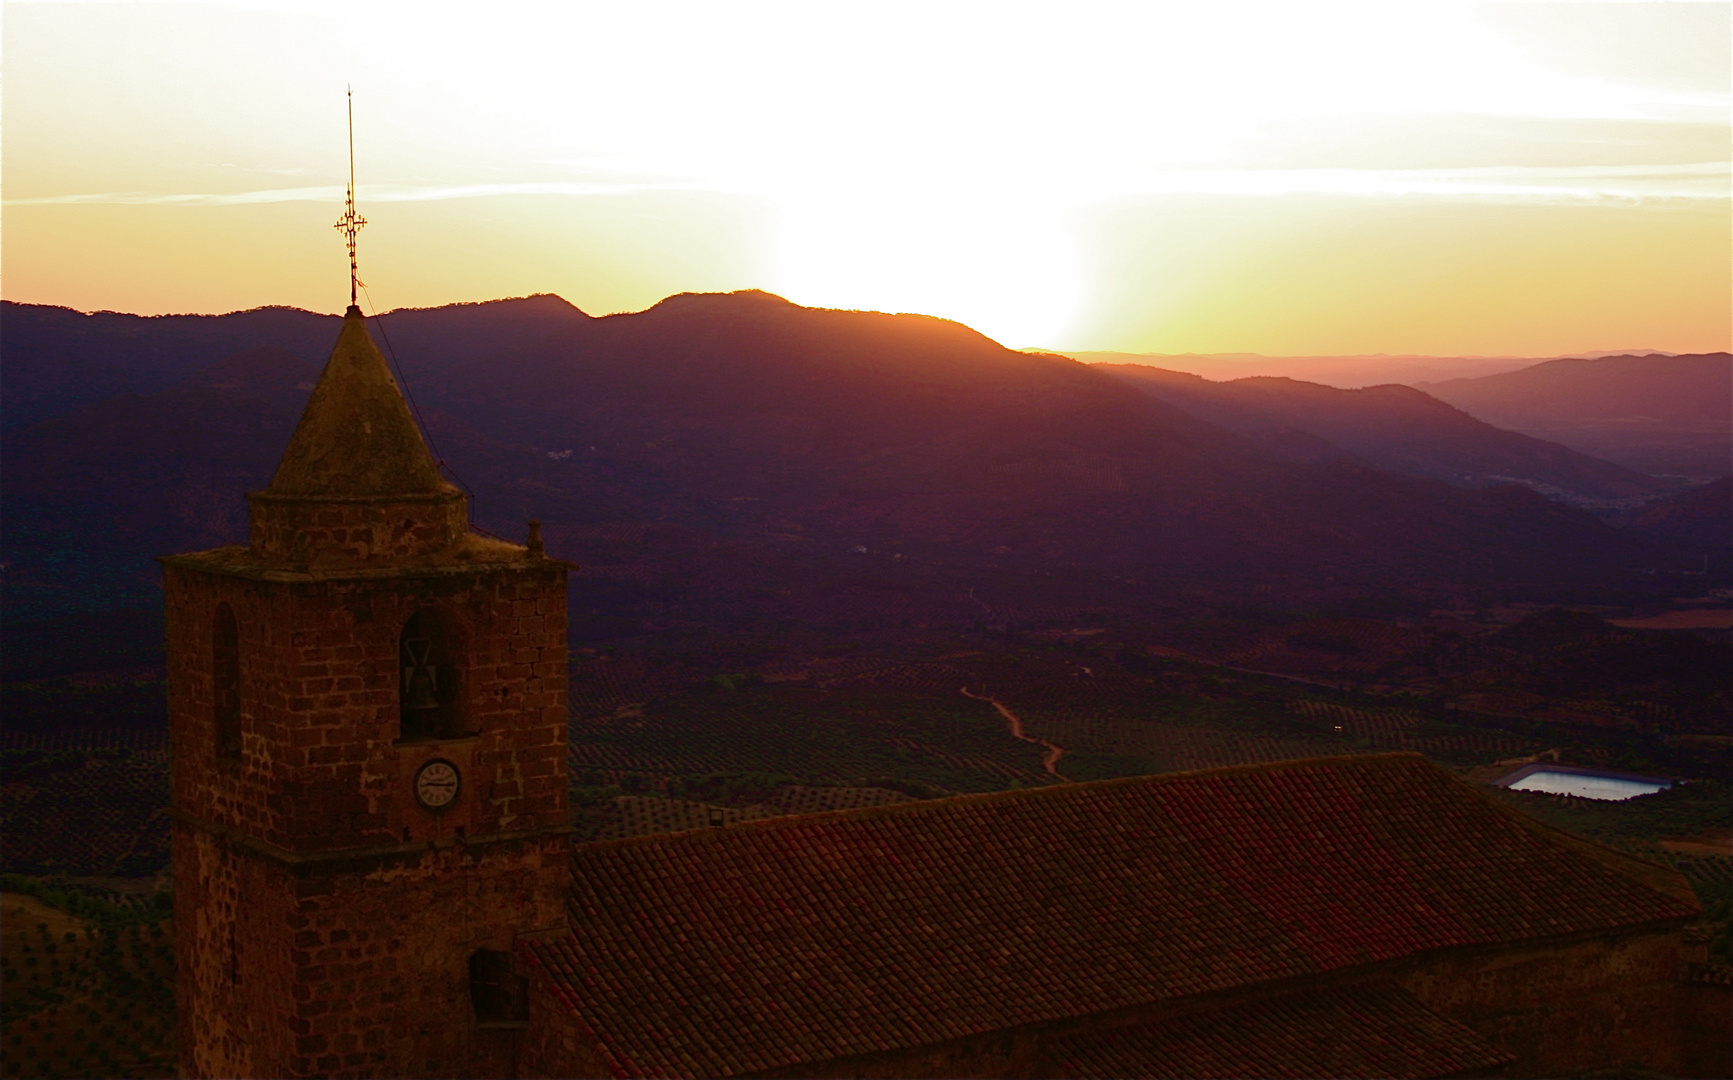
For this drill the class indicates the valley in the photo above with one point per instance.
(841, 559)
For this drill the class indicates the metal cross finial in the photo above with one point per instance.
(350, 223)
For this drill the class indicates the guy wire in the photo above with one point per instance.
(433, 444)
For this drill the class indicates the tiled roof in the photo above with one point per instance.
(1363, 1031)
(644, 815)
(766, 945)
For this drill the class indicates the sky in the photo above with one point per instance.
(1298, 178)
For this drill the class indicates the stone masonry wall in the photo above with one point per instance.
(1564, 1009)
(321, 767)
(329, 917)
(358, 973)
(1708, 1018)
(1567, 1009)
(380, 962)
(228, 966)
(556, 1046)
(327, 532)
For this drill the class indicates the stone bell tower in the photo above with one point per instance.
(367, 712)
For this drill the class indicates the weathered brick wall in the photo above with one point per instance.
(380, 961)
(1563, 1008)
(321, 767)
(325, 532)
(555, 1045)
(230, 959)
(1567, 1008)
(994, 1054)
(1708, 1020)
(341, 971)
(330, 918)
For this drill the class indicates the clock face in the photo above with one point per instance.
(436, 784)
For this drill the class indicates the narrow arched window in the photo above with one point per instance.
(226, 681)
(427, 688)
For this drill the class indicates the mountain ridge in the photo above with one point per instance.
(760, 452)
(1397, 428)
(749, 396)
(1658, 414)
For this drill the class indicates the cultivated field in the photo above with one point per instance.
(94, 811)
(85, 997)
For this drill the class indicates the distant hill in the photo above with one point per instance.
(737, 460)
(1395, 428)
(1658, 414)
(1344, 372)
(874, 428)
(57, 359)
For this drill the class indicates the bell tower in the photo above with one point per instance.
(367, 710)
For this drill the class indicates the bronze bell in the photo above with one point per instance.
(420, 680)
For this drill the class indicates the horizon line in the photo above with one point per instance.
(1575, 354)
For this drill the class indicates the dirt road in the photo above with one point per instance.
(1049, 762)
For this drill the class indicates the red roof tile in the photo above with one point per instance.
(761, 946)
(1363, 1031)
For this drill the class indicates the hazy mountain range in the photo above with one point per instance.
(736, 458)
(1343, 372)
(1659, 414)
(1395, 428)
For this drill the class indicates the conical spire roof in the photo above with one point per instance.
(356, 439)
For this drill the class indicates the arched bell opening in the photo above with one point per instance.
(226, 682)
(429, 702)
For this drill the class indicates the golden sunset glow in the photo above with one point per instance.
(1281, 178)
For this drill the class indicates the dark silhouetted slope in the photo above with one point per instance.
(863, 429)
(57, 359)
(736, 459)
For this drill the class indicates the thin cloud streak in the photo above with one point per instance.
(364, 193)
(1698, 180)
(1591, 183)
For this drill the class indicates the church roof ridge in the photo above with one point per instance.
(356, 439)
(809, 938)
(943, 803)
(1657, 876)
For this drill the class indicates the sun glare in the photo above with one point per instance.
(953, 159)
(990, 264)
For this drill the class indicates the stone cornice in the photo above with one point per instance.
(307, 864)
(239, 562)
